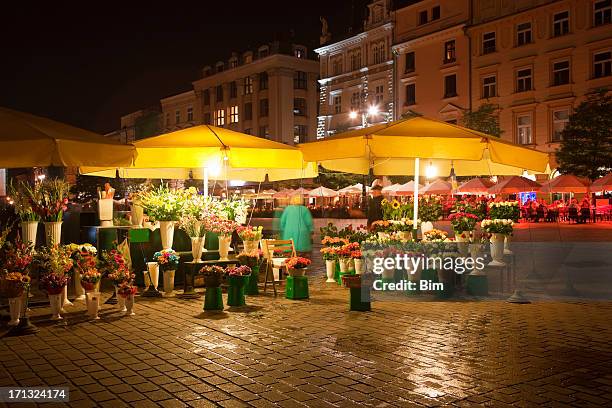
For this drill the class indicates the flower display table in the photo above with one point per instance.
(296, 287)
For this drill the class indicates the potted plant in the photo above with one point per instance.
(463, 224)
(224, 229)
(49, 199)
(22, 196)
(250, 236)
(237, 277)
(166, 206)
(213, 275)
(252, 260)
(498, 229)
(297, 265)
(331, 257)
(168, 261)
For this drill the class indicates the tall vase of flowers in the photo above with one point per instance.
(196, 230)
(330, 257)
(14, 279)
(114, 267)
(166, 206)
(85, 259)
(49, 199)
(22, 196)
(224, 229)
(168, 261)
(498, 230)
(127, 291)
(55, 264)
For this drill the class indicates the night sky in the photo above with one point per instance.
(88, 63)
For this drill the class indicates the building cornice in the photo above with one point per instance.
(356, 39)
(350, 74)
(428, 37)
(182, 97)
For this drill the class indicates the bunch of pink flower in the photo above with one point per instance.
(221, 226)
(241, 270)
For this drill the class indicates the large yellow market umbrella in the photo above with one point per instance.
(420, 145)
(32, 141)
(208, 151)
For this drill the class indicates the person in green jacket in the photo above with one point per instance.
(296, 224)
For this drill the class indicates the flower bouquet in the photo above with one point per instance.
(12, 284)
(381, 226)
(504, 210)
(250, 259)
(213, 275)
(463, 222)
(250, 236)
(163, 203)
(22, 196)
(497, 226)
(242, 270)
(296, 266)
(89, 279)
(53, 283)
(329, 253)
(234, 209)
(127, 292)
(167, 259)
(114, 266)
(224, 229)
(435, 235)
(193, 226)
(238, 278)
(334, 241)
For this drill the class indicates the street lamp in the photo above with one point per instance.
(373, 110)
(430, 171)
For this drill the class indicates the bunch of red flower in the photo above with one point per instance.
(297, 262)
(17, 257)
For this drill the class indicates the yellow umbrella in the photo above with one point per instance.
(397, 148)
(208, 151)
(32, 141)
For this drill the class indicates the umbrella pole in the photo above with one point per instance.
(416, 192)
(205, 181)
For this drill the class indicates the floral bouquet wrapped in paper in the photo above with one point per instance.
(250, 233)
(89, 279)
(113, 266)
(126, 289)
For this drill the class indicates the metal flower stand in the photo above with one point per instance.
(188, 281)
(296, 287)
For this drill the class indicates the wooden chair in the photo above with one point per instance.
(268, 246)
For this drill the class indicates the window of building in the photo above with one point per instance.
(190, 114)
(561, 72)
(449, 51)
(355, 101)
(299, 52)
(219, 97)
(263, 107)
(220, 117)
(248, 85)
(233, 63)
(264, 132)
(220, 67)
(410, 62)
(206, 97)
(561, 23)
(233, 89)
(207, 118)
(233, 114)
(411, 94)
(299, 106)
(379, 95)
(523, 80)
(299, 133)
(602, 12)
(263, 81)
(523, 34)
(337, 104)
(488, 42)
(167, 119)
(247, 58)
(177, 116)
(489, 86)
(355, 58)
(560, 119)
(602, 64)
(337, 66)
(248, 111)
(435, 13)
(450, 86)
(376, 54)
(523, 129)
(300, 80)
(423, 17)
(263, 52)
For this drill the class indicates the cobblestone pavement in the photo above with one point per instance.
(277, 352)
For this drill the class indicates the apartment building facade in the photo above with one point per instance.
(431, 59)
(537, 60)
(356, 75)
(177, 112)
(270, 93)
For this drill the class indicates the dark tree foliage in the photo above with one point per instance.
(586, 147)
(485, 119)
